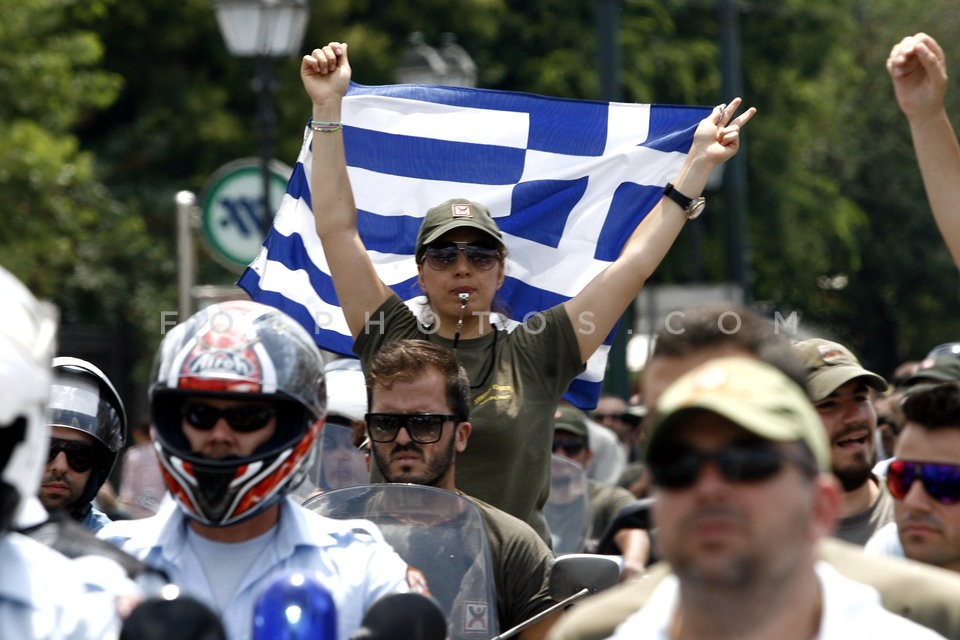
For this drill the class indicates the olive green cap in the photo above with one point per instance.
(455, 214)
(830, 365)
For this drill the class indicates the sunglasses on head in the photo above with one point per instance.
(570, 446)
(941, 481)
(244, 418)
(423, 428)
(440, 256)
(80, 455)
(680, 467)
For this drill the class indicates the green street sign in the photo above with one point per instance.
(233, 209)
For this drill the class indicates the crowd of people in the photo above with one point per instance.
(756, 487)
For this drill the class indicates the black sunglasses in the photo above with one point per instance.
(80, 455)
(570, 446)
(244, 418)
(441, 256)
(679, 467)
(941, 481)
(424, 428)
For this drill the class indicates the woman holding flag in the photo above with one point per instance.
(517, 376)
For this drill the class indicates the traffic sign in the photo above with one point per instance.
(233, 209)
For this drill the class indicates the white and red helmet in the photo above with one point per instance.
(28, 334)
(237, 350)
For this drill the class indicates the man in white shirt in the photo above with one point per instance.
(237, 404)
(740, 465)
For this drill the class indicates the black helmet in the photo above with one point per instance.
(237, 350)
(83, 398)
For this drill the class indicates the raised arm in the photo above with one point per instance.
(918, 69)
(596, 309)
(326, 77)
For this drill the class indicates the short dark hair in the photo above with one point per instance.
(404, 360)
(933, 406)
(703, 326)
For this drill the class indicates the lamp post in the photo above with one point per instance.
(449, 65)
(263, 30)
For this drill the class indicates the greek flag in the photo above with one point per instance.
(566, 180)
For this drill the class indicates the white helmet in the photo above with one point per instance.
(28, 333)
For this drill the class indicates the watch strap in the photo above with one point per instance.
(671, 192)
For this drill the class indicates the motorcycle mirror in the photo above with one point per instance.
(574, 572)
(574, 576)
(403, 616)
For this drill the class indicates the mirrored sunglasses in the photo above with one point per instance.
(440, 256)
(423, 428)
(80, 455)
(680, 467)
(243, 418)
(941, 481)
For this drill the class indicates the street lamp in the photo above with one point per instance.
(263, 29)
(449, 65)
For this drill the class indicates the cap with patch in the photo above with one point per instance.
(943, 368)
(571, 419)
(748, 392)
(830, 365)
(455, 214)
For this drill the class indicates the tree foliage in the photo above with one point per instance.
(109, 108)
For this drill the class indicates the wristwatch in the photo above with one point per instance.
(693, 207)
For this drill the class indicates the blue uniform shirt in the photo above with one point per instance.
(348, 557)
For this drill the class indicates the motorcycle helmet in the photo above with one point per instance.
(237, 350)
(83, 398)
(28, 332)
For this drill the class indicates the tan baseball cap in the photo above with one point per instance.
(748, 392)
(830, 365)
(454, 214)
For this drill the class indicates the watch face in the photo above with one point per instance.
(696, 208)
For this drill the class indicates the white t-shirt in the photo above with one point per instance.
(885, 541)
(850, 610)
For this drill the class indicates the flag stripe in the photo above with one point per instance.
(566, 180)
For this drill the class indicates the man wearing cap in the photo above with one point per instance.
(742, 496)
(842, 392)
(571, 440)
(926, 595)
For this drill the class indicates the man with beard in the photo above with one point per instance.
(842, 391)
(739, 464)
(419, 398)
(924, 480)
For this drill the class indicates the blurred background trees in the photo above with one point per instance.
(109, 108)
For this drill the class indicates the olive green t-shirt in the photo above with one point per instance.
(517, 379)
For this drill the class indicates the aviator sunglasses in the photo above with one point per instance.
(424, 428)
(941, 481)
(244, 418)
(80, 455)
(680, 467)
(440, 256)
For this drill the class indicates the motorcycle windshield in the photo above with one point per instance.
(566, 509)
(438, 532)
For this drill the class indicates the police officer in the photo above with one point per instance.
(88, 427)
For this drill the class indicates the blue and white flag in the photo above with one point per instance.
(567, 181)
